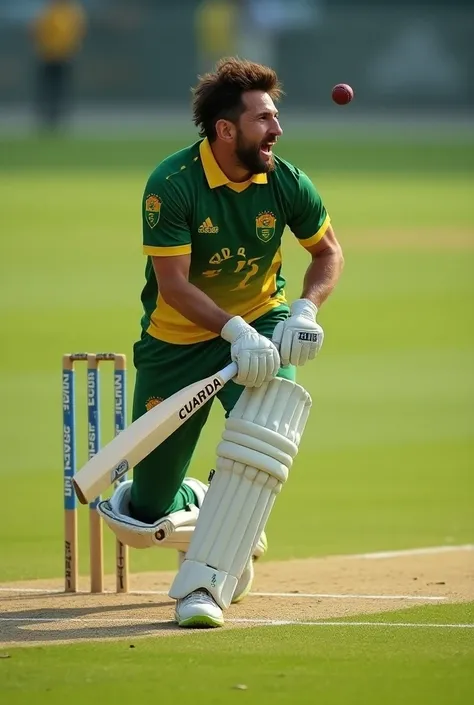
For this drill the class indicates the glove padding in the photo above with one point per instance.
(299, 338)
(256, 357)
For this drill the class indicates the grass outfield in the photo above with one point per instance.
(365, 663)
(387, 463)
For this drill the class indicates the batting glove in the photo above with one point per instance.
(256, 357)
(299, 338)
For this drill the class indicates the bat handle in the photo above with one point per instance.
(228, 372)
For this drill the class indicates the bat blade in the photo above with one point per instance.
(146, 433)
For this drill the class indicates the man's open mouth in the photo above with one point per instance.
(266, 148)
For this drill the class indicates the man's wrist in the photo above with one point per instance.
(234, 327)
(304, 307)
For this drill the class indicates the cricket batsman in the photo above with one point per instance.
(214, 215)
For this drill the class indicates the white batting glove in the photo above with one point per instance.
(299, 338)
(256, 357)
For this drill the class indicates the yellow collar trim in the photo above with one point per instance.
(214, 174)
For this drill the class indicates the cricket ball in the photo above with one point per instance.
(342, 94)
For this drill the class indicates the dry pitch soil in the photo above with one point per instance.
(300, 591)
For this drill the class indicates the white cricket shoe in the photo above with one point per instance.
(244, 585)
(198, 609)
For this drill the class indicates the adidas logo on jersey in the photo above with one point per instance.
(208, 227)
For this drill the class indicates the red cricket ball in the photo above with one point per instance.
(342, 94)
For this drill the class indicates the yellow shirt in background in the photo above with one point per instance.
(216, 27)
(58, 31)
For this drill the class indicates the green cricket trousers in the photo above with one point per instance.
(163, 369)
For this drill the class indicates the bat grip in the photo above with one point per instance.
(228, 372)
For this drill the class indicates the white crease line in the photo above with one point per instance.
(267, 622)
(346, 596)
(94, 620)
(411, 552)
(292, 595)
(314, 595)
(44, 591)
(374, 555)
(284, 623)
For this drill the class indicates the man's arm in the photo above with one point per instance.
(300, 337)
(172, 274)
(256, 357)
(167, 240)
(325, 269)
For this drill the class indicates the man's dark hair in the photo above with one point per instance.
(218, 95)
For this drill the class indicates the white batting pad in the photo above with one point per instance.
(259, 443)
(172, 531)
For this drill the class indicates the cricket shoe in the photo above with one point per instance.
(244, 585)
(198, 610)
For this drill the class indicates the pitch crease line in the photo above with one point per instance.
(373, 555)
(292, 595)
(265, 622)
(410, 552)
(289, 622)
(345, 596)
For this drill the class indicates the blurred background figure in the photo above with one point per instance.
(57, 32)
(217, 31)
(248, 28)
(264, 22)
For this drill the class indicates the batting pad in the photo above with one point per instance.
(258, 446)
(172, 531)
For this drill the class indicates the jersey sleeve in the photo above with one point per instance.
(309, 220)
(165, 219)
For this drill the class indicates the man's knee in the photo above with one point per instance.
(232, 392)
(158, 479)
(168, 530)
(149, 498)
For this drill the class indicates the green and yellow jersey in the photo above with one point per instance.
(233, 233)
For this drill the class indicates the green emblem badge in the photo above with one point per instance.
(265, 226)
(152, 209)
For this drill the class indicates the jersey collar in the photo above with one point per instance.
(214, 174)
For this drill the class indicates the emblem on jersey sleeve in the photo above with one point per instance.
(152, 209)
(265, 226)
(152, 402)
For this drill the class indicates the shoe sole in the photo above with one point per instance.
(201, 621)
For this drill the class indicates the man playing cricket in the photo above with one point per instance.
(214, 215)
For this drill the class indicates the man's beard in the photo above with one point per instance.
(249, 157)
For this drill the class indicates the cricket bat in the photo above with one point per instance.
(146, 433)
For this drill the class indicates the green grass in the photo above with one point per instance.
(304, 664)
(388, 460)
(424, 615)
(391, 441)
(326, 152)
